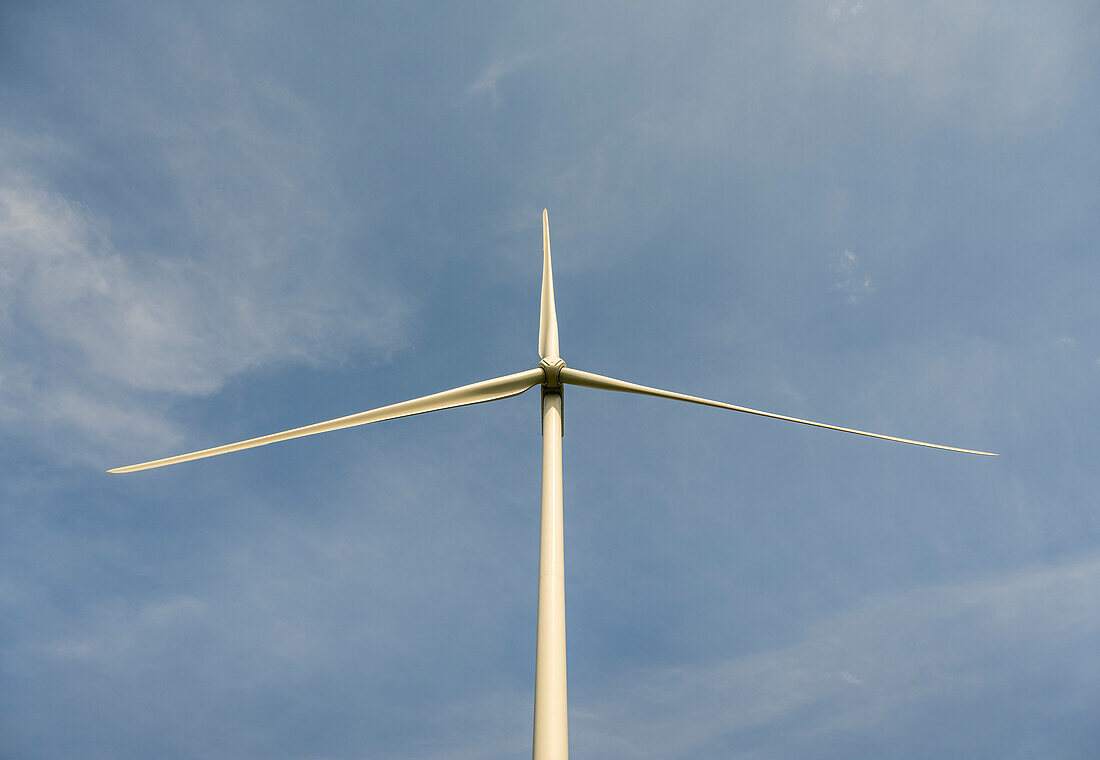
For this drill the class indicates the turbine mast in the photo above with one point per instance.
(551, 739)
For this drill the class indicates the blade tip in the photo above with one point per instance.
(128, 468)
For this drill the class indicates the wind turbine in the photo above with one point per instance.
(551, 729)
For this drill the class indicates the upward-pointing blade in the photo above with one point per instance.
(486, 390)
(590, 380)
(548, 319)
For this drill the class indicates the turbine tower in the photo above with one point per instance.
(551, 723)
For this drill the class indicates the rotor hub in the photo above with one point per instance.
(551, 370)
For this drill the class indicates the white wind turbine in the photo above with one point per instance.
(551, 730)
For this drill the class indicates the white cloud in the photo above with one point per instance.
(899, 650)
(872, 665)
(488, 81)
(977, 63)
(128, 627)
(249, 266)
(849, 279)
(84, 327)
(779, 87)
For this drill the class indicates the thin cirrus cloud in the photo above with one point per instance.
(212, 220)
(998, 72)
(888, 656)
(849, 278)
(249, 279)
(870, 665)
(713, 89)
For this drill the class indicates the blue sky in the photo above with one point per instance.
(223, 220)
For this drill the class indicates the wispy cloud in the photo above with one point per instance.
(869, 666)
(255, 273)
(864, 667)
(970, 63)
(198, 202)
(489, 80)
(849, 279)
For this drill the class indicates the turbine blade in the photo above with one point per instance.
(486, 390)
(590, 380)
(548, 319)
